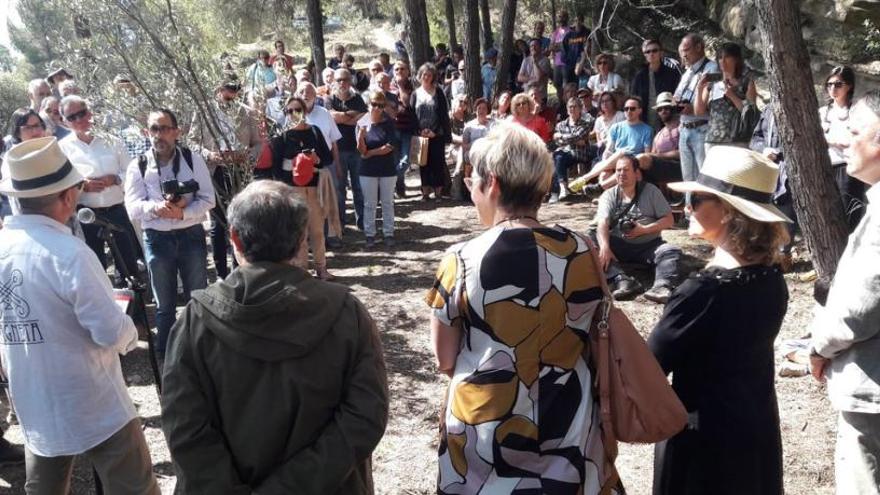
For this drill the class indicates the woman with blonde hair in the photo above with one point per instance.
(510, 315)
(717, 331)
(524, 114)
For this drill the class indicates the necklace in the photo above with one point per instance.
(511, 219)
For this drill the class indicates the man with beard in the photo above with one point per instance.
(662, 162)
(238, 146)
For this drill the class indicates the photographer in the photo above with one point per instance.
(631, 217)
(169, 191)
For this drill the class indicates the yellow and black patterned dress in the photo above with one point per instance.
(521, 417)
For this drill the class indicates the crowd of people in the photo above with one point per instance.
(269, 348)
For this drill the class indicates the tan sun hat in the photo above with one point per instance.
(38, 167)
(664, 99)
(742, 178)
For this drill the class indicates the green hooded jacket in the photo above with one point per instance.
(274, 383)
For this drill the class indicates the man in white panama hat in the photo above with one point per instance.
(846, 331)
(63, 334)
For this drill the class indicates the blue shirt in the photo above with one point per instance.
(488, 72)
(636, 138)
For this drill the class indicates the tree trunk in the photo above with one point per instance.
(486, 21)
(552, 15)
(316, 35)
(817, 201)
(450, 23)
(508, 19)
(472, 77)
(418, 40)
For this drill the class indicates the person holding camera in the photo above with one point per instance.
(630, 218)
(102, 190)
(169, 190)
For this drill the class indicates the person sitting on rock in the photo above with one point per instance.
(630, 218)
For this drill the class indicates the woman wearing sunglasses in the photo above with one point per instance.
(375, 137)
(716, 335)
(605, 79)
(298, 156)
(840, 86)
(728, 99)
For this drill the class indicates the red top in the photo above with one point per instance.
(539, 126)
(287, 57)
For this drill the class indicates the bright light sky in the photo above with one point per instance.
(7, 10)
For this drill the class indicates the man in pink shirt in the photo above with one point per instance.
(560, 69)
(662, 163)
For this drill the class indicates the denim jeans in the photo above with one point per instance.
(126, 242)
(184, 251)
(691, 145)
(562, 161)
(403, 161)
(350, 164)
(378, 189)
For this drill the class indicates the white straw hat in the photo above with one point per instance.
(743, 178)
(664, 99)
(38, 167)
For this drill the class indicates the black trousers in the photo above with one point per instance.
(129, 248)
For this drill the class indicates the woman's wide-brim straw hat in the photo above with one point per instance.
(743, 178)
(38, 167)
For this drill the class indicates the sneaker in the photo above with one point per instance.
(10, 453)
(658, 294)
(563, 191)
(593, 190)
(554, 198)
(388, 241)
(371, 242)
(626, 288)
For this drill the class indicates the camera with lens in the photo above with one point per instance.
(173, 189)
(627, 223)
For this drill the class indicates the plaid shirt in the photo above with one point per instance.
(570, 133)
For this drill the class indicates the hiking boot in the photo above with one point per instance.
(10, 453)
(371, 242)
(658, 294)
(388, 241)
(626, 288)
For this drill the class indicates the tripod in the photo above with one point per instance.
(135, 293)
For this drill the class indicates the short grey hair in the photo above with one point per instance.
(72, 100)
(44, 105)
(871, 99)
(269, 220)
(520, 162)
(34, 84)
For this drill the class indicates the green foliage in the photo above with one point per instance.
(7, 63)
(872, 40)
(12, 96)
(43, 23)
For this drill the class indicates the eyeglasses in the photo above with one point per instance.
(160, 129)
(651, 50)
(378, 106)
(342, 80)
(32, 127)
(664, 109)
(697, 200)
(80, 185)
(293, 110)
(77, 115)
(630, 109)
(522, 104)
(835, 84)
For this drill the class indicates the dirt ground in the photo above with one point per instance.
(392, 285)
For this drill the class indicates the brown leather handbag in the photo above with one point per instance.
(636, 402)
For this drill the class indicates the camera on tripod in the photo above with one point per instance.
(173, 189)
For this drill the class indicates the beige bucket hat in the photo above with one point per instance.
(38, 167)
(742, 178)
(665, 99)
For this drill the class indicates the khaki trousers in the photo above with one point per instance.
(122, 462)
(857, 454)
(315, 228)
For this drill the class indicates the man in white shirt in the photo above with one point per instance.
(692, 128)
(63, 334)
(169, 190)
(846, 331)
(108, 159)
(535, 70)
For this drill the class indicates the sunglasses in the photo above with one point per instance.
(630, 109)
(522, 104)
(835, 84)
(160, 129)
(377, 106)
(664, 109)
(77, 115)
(651, 50)
(289, 111)
(697, 200)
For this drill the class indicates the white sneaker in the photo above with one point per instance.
(554, 198)
(563, 191)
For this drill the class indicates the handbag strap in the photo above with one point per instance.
(609, 441)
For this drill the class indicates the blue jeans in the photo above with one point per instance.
(376, 190)
(691, 145)
(562, 161)
(184, 251)
(350, 164)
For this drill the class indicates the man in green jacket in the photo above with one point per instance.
(274, 381)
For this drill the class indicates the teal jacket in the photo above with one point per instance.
(274, 383)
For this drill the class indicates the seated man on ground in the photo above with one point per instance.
(661, 164)
(305, 354)
(629, 137)
(630, 218)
